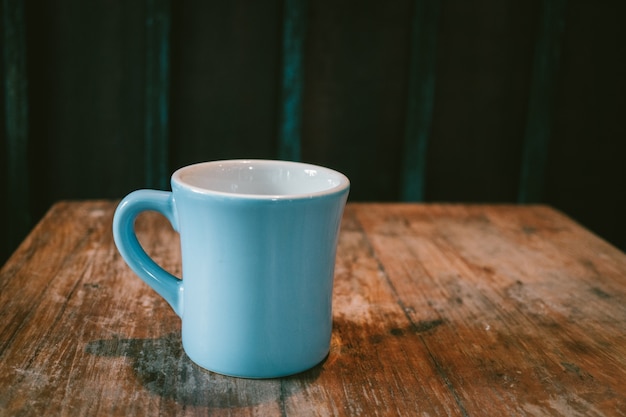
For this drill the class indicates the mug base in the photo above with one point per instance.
(261, 373)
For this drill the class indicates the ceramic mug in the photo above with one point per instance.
(258, 243)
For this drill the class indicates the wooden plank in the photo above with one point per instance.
(439, 310)
(292, 81)
(542, 101)
(425, 25)
(17, 206)
(158, 18)
(525, 309)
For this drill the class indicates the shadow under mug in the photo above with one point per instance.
(258, 243)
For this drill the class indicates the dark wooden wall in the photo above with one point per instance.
(472, 101)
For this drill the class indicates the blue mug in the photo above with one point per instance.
(258, 243)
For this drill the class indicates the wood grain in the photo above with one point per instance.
(439, 310)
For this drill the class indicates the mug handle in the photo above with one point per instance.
(165, 284)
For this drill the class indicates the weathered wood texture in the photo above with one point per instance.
(438, 310)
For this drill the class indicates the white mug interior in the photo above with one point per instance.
(261, 179)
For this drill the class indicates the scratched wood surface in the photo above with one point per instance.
(439, 310)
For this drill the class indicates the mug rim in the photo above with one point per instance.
(343, 183)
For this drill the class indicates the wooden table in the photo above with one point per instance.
(460, 310)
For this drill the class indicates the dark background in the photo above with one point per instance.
(85, 67)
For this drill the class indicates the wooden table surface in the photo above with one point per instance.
(459, 310)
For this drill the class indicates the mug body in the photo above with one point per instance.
(258, 243)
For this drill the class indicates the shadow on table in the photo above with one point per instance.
(164, 369)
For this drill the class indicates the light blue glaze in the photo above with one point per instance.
(255, 298)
